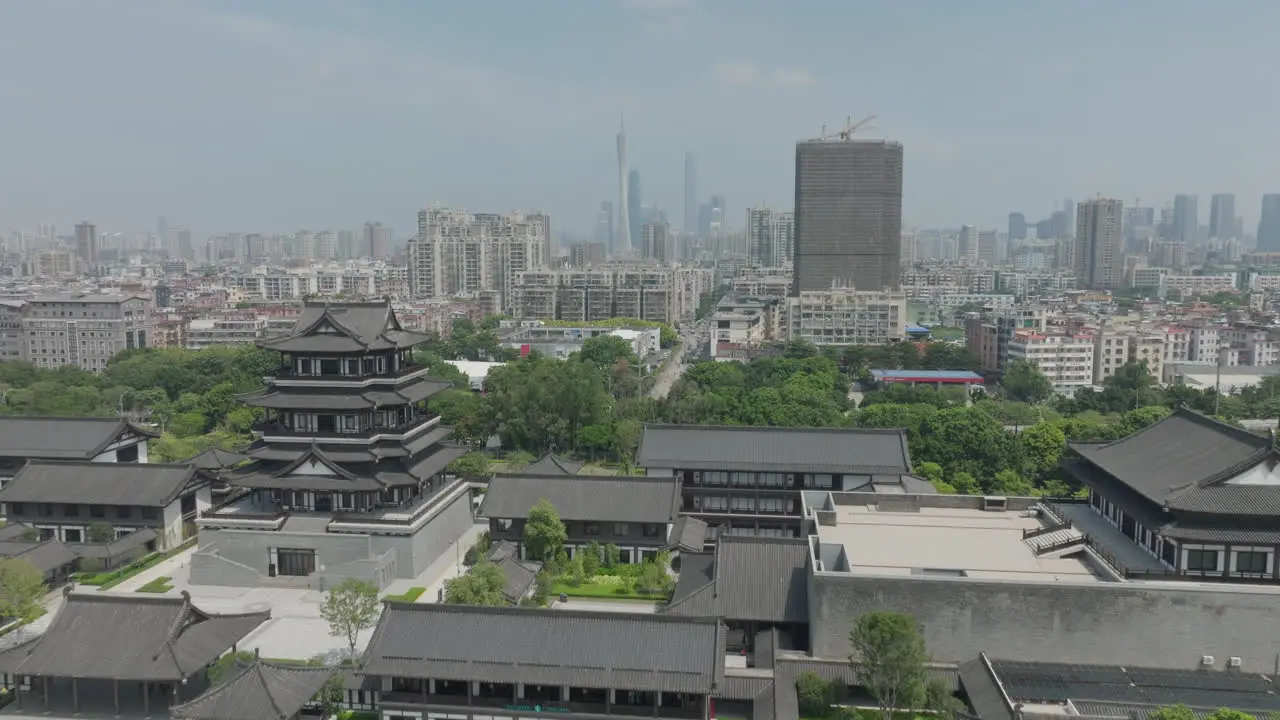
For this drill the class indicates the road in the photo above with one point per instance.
(670, 372)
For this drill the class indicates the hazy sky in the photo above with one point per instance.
(284, 114)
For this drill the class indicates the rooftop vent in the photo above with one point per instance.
(995, 503)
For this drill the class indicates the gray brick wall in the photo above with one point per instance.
(415, 553)
(209, 568)
(1104, 623)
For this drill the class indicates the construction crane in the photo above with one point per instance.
(850, 127)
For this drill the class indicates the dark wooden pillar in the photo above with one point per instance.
(44, 688)
(146, 698)
(75, 695)
(115, 695)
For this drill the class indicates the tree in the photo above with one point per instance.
(101, 532)
(1024, 382)
(612, 556)
(349, 608)
(227, 666)
(473, 464)
(813, 693)
(1229, 714)
(591, 555)
(1172, 712)
(21, 588)
(482, 586)
(890, 660)
(605, 351)
(965, 484)
(544, 534)
(941, 703)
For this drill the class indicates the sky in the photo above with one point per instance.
(252, 116)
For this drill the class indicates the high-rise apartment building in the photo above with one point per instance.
(1186, 219)
(967, 243)
(186, 250)
(1099, 258)
(987, 250)
(690, 192)
(1222, 216)
(848, 214)
(655, 242)
(770, 237)
(635, 210)
(83, 330)
(87, 242)
(1017, 226)
(326, 245)
(375, 241)
(457, 252)
(1269, 224)
(543, 219)
(604, 225)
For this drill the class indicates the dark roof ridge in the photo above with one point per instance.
(762, 540)
(1200, 419)
(321, 302)
(313, 451)
(776, 428)
(657, 479)
(123, 598)
(65, 461)
(546, 612)
(1229, 472)
(271, 698)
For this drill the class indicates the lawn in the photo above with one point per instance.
(603, 591)
(158, 586)
(410, 595)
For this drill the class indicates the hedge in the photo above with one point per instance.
(159, 585)
(410, 595)
(108, 580)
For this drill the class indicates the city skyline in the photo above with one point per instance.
(232, 116)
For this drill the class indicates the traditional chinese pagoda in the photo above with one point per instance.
(347, 477)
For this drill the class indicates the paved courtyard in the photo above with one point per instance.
(295, 629)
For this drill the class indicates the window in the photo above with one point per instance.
(150, 513)
(1202, 561)
(97, 511)
(714, 477)
(17, 508)
(772, 506)
(124, 511)
(822, 481)
(46, 509)
(651, 530)
(591, 528)
(621, 529)
(504, 524)
(71, 510)
(1251, 561)
(72, 535)
(715, 503)
(772, 479)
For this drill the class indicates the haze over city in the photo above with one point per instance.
(273, 116)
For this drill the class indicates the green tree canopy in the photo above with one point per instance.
(544, 534)
(483, 585)
(890, 660)
(350, 608)
(1024, 382)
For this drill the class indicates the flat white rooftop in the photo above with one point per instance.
(942, 542)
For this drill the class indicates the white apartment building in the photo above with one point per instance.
(771, 236)
(458, 253)
(1256, 345)
(1177, 345)
(225, 329)
(586, 295)
(843, 316)
(1199, 284)
(1067, 360)
(351, 281)
(83, 330)
(742, 324)
(11, 329)
(762, 284)
(1204, 342)
(1110, 353)
(1114, 347)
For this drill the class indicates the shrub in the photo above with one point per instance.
(612, 556)
(813, 693)
(591, 556)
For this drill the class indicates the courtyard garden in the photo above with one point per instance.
(597, 572)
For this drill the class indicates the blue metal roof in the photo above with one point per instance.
(917, 329)
(926, 375)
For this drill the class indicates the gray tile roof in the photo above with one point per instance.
(688, 534)
(502, 550)
(359, 326)
(97, 483)
(743, 687)
(1183, 450)
(765, 449)
(59, 438)
(45, 556)
(547, 647)
(583, 497)
(1235, 535)
(290, 400)
(215, 459)
(984, 694)
(133, 540)
(128, 637)
(261, 691)
(552, 465)
(519, 575)
(276, 474)
(755, 578)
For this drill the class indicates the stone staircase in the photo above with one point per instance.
(1056, 540)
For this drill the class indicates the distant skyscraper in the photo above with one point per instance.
(654, 238)
(87, 242)
(1269, 225)
(604, 224)
(967, 243)
(1099, 255)
(1069, 212)
(623, 236)
(1017, 226)
(1186, 221)
(376, 241)
(690, 192)
(770, 236)
(1222, 216)
(633, 215)
(987, 246)
(848, 214)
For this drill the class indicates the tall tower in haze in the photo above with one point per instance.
(622, 239)
(635, 209)
(690, 192)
